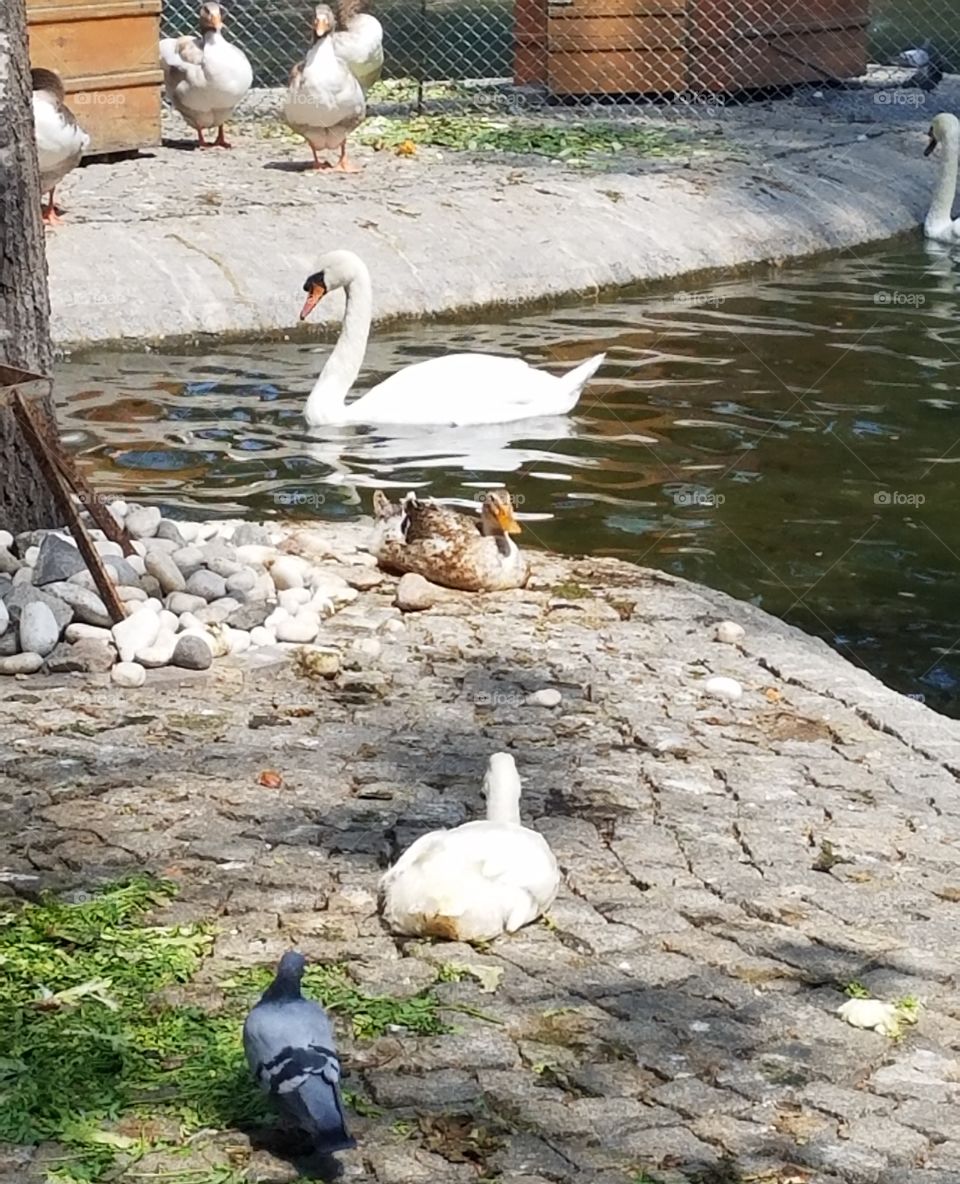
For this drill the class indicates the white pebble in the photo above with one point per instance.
(256, 554)
(305, 627)
(238, 640)
(81, 632)
(261, 635)
(6, 539)
(723, 688)
(160, 653)
(289, 571)
(730, 632)
(290, 599)
(128, 674)
(136, 632)
(169, 621)
(870, 1014)
(276, 617)
(548, 697)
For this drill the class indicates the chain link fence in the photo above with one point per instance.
(613, 57)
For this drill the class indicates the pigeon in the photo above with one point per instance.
(289, 1045)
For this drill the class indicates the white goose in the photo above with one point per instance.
(939, 223)
(205, 76)
(457, 389)
(479, 880)
(324, 100)
(359, 42)
(60, 140)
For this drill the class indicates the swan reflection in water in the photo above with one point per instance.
(367, 459)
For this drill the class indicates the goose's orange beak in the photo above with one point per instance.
(314, 296)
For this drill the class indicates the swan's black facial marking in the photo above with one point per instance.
(933, 143)
(316, 289)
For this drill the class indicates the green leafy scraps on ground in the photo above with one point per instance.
(566, 141)
(95, 1059)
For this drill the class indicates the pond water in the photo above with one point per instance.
(792, 438)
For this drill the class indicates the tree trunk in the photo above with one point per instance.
(25, 501)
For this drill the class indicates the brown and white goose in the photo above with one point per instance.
(60, 140)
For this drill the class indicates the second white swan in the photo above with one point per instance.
(939, 223)
(457, 389)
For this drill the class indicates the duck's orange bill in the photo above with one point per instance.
(508, 522)
(317, 293)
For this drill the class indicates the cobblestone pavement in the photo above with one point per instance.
(727, 870)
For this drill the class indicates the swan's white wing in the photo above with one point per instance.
(460, 389)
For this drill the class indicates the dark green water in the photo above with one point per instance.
(792, 439)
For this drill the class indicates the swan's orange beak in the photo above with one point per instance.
(315, 293)
(933, 143)
(503, 512)
(321, 27)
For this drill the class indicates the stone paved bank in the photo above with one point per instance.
(727, 870)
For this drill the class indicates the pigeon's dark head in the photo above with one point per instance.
(292, 966)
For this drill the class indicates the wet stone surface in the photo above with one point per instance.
(728, 868)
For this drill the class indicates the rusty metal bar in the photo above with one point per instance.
(61, 486)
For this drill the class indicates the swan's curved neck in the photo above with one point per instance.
(327, 398)
(946, 189)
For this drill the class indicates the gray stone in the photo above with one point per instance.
(23, 594)
(165, 571)
(192, 653)
(126, 593)
(85, 656)
(151, 585)
(142, 521)
(86, 606)
(29, 538)
(188, 559)
(9, 643)
(122, 571)
(249, 616)
(223, 566)
(57, 560)
(169, 530)
(241, 581)
(184, 602)
(39, 632)
(415, 594)
(207, 584)
(26, 663)
(251, 534)
(8, 563)
(215, 613)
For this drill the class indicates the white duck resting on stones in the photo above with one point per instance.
(479, 880)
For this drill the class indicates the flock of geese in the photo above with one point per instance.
(206, 77)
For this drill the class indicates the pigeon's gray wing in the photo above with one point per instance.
(290, 1051)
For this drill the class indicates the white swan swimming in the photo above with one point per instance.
(458, 389)
(939, 223)
(479, 880)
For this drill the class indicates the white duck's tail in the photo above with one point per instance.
(573, 382)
